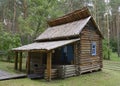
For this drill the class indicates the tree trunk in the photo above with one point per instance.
(14, 18)
(108, 37)
(118, 35)
(25, 8)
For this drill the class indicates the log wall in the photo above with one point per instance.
(83, 56)
(76, 52)
(61, 71)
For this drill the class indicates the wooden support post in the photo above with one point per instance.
(20, 61)
(28, 63)
(16, 60)
(49, 61)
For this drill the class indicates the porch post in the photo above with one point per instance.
(28, 63)
(49, 61)
(16, 61)
(20, 61)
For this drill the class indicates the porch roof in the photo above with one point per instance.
(45, 45)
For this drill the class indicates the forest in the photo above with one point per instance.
(21, 21)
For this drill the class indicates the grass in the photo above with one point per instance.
(114, 57)
(109, 76)
(102, 78)
(9, 67)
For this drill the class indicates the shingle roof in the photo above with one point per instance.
(69, 25)
(44, 45)
(65, 30)
(70, 17)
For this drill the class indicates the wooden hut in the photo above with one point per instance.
(71, 45)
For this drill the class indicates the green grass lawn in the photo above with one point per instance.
(101, 78)
(109, 76)
(9, 67)
(114, 57)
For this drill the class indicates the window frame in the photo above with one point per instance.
(93, 49)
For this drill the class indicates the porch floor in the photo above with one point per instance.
(6, 75)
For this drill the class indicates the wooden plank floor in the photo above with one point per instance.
(6, 75)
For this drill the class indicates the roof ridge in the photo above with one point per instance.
(70, 17)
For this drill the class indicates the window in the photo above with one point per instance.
(65, 49)
(93, 48)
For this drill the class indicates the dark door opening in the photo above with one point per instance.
(63, 55)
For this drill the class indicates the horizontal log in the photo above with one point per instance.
(69, 66)
(90, 70)
(70, 70)
(85, 48)
(52, 74)
(52, 71)
(65, 66)
(67, 73)
(87, 36)
(46, 77)
(89, 33)
(95, 39)
(89, 67)
(89, 61)
(91, 57)
(88, 45)
(67, 70)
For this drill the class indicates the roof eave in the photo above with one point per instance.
(58, 38)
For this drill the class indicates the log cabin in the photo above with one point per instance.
(70, 46)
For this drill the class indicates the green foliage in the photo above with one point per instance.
(40, 12)
(8, 41)
(106, 51)
(114, 57)
(113, 45)
(24, 25)
(36, 20)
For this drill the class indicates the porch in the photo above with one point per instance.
(48, 59)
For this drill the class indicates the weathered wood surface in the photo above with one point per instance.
(35, 76)
(20, 61)
(62, 71)
(16, 60)
(36, 58)
(54, 74)
(28, 63)
(87, 62)
(74, 16)
(66, 71)
(49, 65)
(39, 70)
(5, 75)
